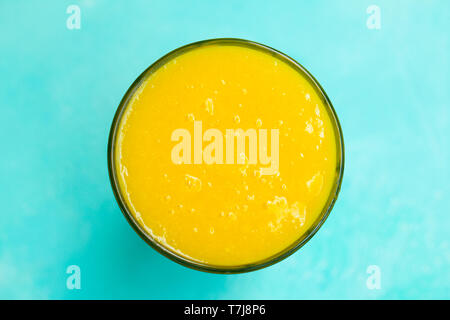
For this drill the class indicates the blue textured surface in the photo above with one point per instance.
(59, 89)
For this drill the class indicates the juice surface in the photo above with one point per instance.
(226, 213)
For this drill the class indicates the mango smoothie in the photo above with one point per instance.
(226, 155)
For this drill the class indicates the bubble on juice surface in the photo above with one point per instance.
(309, 127)
(315, 184)
(259, 123)
(209, 106)
(193, 183)
(190, 117)
(232, 215)
(284, 212)
(317, 110)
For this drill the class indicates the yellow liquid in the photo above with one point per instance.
(226, 214)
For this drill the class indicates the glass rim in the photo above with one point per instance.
(183, 260)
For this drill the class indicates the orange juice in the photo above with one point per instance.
(227, 154)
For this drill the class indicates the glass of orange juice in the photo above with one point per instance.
(226, 155)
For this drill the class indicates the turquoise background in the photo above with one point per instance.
(59, 89)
